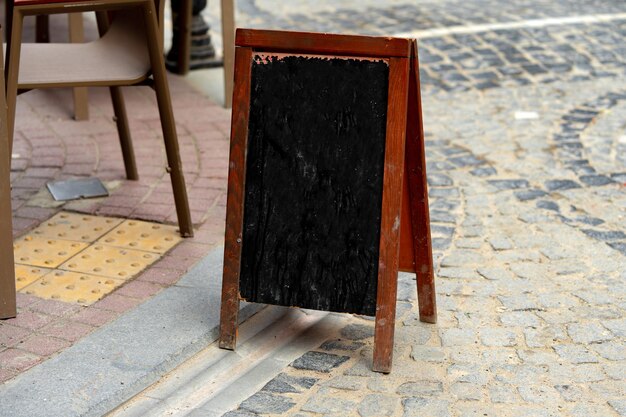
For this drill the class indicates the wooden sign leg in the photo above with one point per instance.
(229, 314)
(235, 200)
(418, 195)
(390, 216)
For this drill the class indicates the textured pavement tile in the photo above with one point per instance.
(319, 361)
(265, 403)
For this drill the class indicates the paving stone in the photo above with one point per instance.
(500, 243)
(557, 300)
(561, 185)
(484, 171)
(283, 383)
(571, 393)
(544, 337)
(328, 405)
(457, 337)
(468, 243)
(528, 270)
(495, 273)
(466, 391)
(531, 194)
(420, 388)
(519, 375)
(518, 302)
(547, 205)
(619, 405)
(534, 218)
(556, 253)
(319, 361)
(520, 318)
(590, 410)
(439, 216)
(613, 350)
(375, 405)
(470, 373)
(605, 235)
(439, 180)
(575, 354)
(443, 192)
(596, 180)
(423, 406)
(462, 258)
(537, 356)
(543, 394)
(503, 394)
(265, 403)
(341, 345)
(497, 337)
(617, 327)
(588, 332)
(357, 331)
(458, 273)
(240, 413)
(509, 184)
(468, 160)
(348, 383)
(594, 297)
(427, 353)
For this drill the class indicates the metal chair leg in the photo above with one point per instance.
(8, 305)
(80, 95)
(11, 73)
(119, 108)
(167, 120)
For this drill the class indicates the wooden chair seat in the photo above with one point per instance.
(100, 62)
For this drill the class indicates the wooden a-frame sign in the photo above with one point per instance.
(403, 240)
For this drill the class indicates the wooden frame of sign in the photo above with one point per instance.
(404, 238)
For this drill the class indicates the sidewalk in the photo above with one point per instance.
(524, 109)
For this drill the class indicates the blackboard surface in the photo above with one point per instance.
(314, 180)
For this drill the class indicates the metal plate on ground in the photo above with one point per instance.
(26, 275)
(72, 287)
(110, 261)
(74, 226)
(145, 236)
(44, 251)
(77, 188)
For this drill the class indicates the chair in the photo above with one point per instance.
(129, 52)
(7, 271)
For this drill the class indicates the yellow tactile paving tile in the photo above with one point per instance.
(110, 261)
(81, 258)
(72, 287)
(140, 235)
(73, 226)
(44, 251)
(27, 274)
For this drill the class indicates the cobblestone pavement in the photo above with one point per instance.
(526, 152)
(525, 139)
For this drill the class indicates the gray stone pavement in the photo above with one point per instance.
(526, 166)
(526, 146)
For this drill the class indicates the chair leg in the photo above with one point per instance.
(126, 143)
(81, 99)
(167, 120)
(11, 73)
(8, 305)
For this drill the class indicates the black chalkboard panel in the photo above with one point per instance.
(314, 182)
